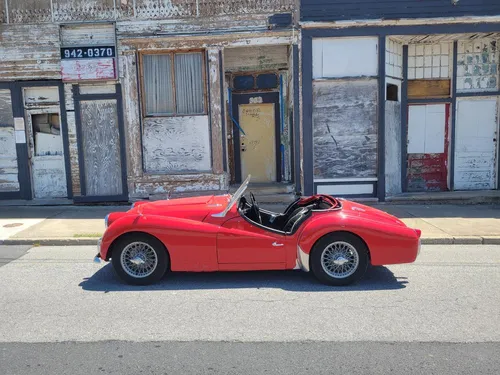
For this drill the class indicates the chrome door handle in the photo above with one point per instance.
(277, 244)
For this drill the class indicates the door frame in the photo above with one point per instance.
(267, 97)
(24, 172)
(78, 97)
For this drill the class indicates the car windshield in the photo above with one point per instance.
(235, 197)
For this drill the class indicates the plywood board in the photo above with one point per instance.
(475, 148)
(49, 177)
(176, 144)
(101, 147)
(429, 88)
(256, 58)
(345, 128)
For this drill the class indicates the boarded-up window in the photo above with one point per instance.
(345, 57)
(173, 84)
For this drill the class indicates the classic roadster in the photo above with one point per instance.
(335, 239)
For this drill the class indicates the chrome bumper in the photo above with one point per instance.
(97, 258)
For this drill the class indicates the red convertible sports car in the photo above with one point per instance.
(335, 239)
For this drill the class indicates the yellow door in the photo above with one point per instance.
(257, 146)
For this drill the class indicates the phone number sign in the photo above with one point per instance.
(93, 63)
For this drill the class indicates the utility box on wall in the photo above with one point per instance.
(88, 52)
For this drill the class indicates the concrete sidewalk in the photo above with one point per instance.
(83, 225)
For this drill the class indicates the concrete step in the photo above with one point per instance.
(447, 197)
(256, 188)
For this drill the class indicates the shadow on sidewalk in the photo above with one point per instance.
(376, 278)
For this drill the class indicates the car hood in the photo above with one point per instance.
(359, 210)
(194, 208)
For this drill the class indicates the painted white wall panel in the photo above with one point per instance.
(434, 128)
(426, 129)
(416, 129)
(475, 150)
(345, 190)
(345, 57)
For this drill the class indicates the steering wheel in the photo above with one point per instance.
(255, 208)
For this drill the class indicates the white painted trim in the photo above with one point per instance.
(354, 179)
(404, 21)
(345, 190)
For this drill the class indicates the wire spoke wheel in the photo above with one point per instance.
(139, 259)
(339, 260)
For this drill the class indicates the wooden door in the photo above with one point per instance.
(46, 153)
(257, 143)
(100, 143)
(427, 147)
(475, 144)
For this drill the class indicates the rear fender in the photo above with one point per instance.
(387, 244)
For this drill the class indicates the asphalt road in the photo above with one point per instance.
(60, 313)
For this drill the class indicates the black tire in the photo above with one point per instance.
(320, 247)
(159, 249)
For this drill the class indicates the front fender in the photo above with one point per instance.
(191, 244)
(387, 243)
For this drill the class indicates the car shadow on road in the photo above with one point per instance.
(376, 278)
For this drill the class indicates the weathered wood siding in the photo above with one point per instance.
(101, 147)
(34, 11)
(393, 147)
(345, 128)
(475, 148)
(8, 156)
(217, 138)
(336, 10)
(29, 52)
(256, 58)
(176, 144)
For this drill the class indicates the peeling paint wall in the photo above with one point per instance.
(345, 128)
(37, 57)
(475, 148)
(393, 147)
(477, 66)
(176, 144)
(8, 156)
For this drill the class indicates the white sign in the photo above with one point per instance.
(19, 123)
(20, 136)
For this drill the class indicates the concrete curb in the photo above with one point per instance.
(459, 240)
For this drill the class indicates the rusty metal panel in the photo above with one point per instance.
(345, 128)
(29, 52)
(101, 147)
(176, 144)
(256, 58)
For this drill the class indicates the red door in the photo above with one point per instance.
(428, 147)
(244, 246)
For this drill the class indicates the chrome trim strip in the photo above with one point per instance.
(302, 259)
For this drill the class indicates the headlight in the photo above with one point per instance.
(106, 221)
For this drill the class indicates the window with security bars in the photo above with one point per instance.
(173, 84)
